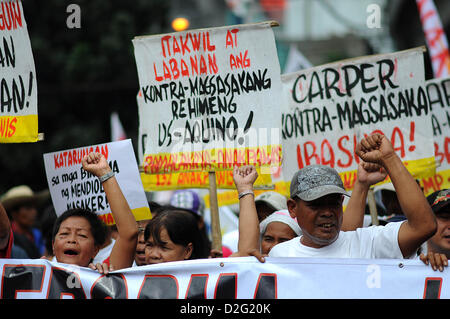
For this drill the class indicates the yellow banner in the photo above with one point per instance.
(213, 160)
(436, 182)
(172, 181)
(19, 129)
(141, 213)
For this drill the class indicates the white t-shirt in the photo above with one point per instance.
(370, 242)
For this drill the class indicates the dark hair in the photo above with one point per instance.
(98, 227)
(181, 226)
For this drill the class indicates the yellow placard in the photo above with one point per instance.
(19, 129)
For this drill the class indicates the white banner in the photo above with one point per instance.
(72, 187)
(209, 98)
(330, 108)
(18, 85)
(229, 278)
(439, 98)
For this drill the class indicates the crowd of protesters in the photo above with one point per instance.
(310, 223)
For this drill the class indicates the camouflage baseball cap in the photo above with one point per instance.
(315, 181)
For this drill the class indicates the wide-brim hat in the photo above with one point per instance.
(19, 195)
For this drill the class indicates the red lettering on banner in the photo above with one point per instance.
(230, 40)
(326, 144)
(396, 132)
(347, 152)
(74, 157)
(239, 61)
(10, 15)
(433, 183)
(174, 68)
(8, 126)
(340, 155)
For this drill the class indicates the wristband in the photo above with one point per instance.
(245, 193)
(105, 177)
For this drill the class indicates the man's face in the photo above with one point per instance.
(139, 257)
(440, 242)
(25, 215)
(320, 219)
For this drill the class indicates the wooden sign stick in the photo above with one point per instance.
(214, 209)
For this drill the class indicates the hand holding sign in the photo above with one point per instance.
(96, 164)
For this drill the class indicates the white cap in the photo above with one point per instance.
(274, 199)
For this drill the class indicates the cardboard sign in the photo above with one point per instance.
(73, 187)
(330, 108)
(18, 86)
(178, 180)
(210, 97)
(438, 91)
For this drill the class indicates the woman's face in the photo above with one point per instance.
(167, 251)
(276, 232)
(74, 242)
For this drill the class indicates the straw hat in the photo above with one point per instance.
(18, 195)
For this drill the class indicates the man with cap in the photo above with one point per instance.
(20, 203)
(436, 250)
(316, 197)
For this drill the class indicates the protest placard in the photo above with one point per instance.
(211, 98)
(177, 180)
(330, 108)
(72, 187)
(438, 91)
(18, 86)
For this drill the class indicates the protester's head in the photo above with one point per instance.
(317, 194)
(139, 257)
(278, 227)
(77, 237)
(389, 199)
(440, 204)
(188, 200)
(269, 202)
(20, 204)
(173, 235)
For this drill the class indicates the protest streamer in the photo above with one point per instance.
(18, 85)
(435, 36)
(72, 187)
(330, 108)
(438, 91)
(228, 278)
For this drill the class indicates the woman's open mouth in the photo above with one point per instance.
(70, 252)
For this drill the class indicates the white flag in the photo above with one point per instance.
(296, 61)
(117, 131)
